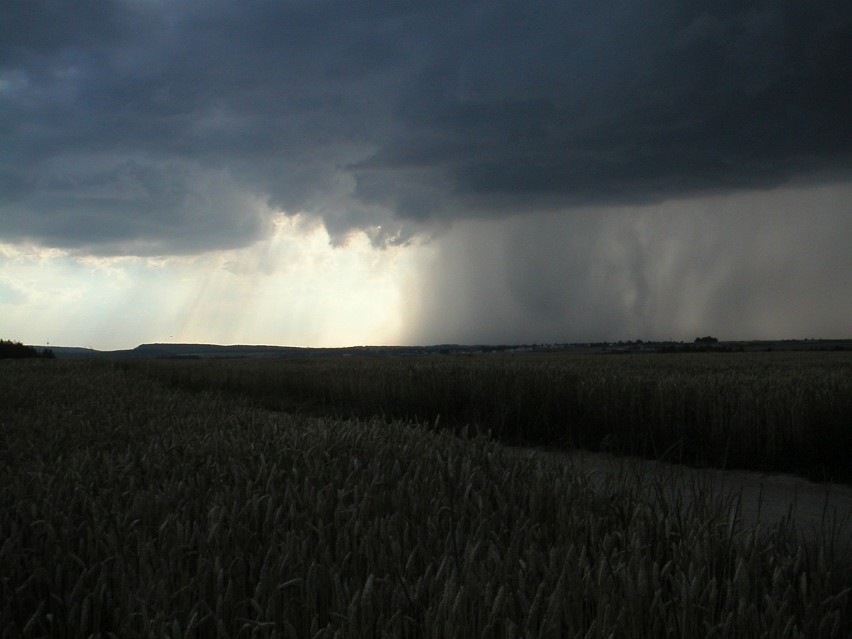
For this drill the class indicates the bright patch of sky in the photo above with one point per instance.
(292, 288)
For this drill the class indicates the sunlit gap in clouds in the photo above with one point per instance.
(291, 288)
(294, 288)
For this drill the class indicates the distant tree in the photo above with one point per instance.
(706, 340)
(16, 350)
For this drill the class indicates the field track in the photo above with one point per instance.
(763, 499)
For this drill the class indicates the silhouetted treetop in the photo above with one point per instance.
(17, 350)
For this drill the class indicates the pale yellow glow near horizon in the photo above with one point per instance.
(292, 288)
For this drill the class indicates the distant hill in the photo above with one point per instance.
(180, 351)
(77, 352)
(211, 351)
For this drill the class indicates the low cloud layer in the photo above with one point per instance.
(181, 126)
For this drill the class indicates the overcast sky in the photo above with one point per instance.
(315, 172)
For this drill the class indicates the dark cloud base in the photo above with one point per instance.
(182, 126)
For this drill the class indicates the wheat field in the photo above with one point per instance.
(134, 506)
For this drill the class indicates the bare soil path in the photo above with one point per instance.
(763, 499)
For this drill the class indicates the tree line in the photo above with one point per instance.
(16, 350)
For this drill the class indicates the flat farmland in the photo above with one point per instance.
(377, 497)
(782, 412)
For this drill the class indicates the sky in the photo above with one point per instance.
(329, 173)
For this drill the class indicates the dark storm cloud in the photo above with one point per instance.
(166, 126)
(626, 103)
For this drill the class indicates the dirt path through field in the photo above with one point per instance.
(764, 498)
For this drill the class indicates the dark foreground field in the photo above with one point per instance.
(167, 500)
